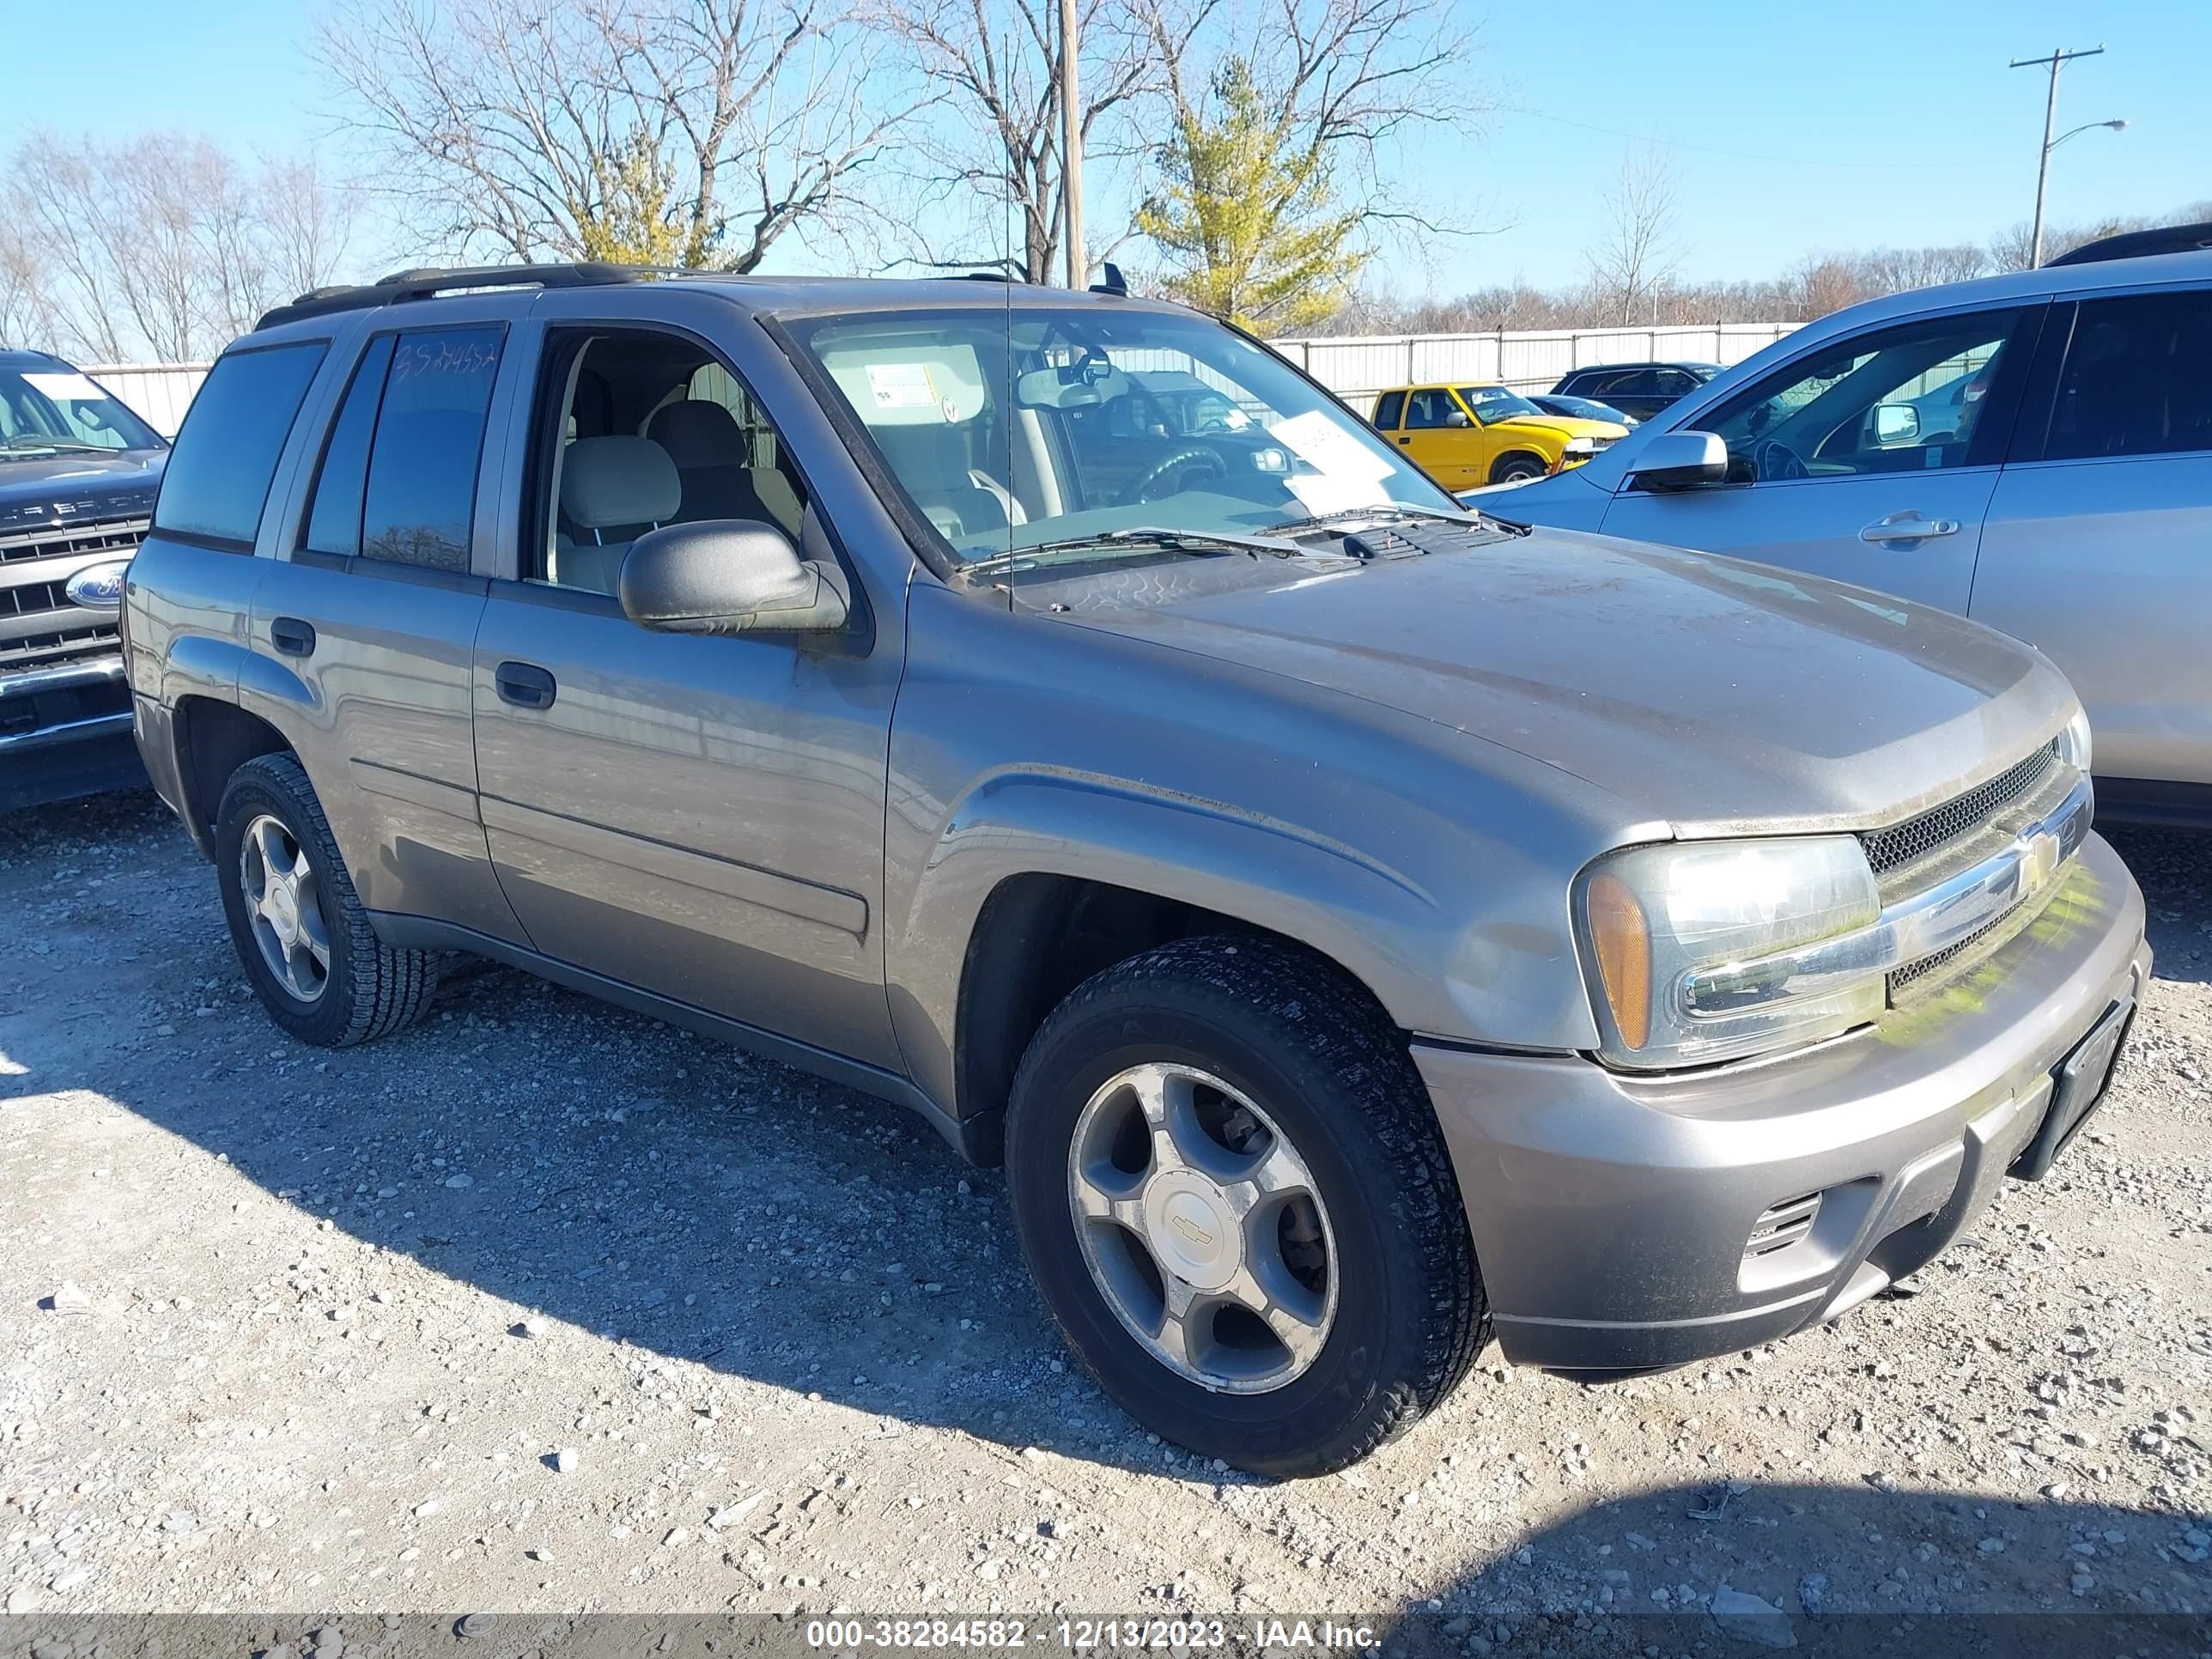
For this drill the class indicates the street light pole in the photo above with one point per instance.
(1071, 146)
(2059, 58)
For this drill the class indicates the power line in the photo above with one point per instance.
(1739, 155)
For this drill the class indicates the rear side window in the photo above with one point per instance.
(1388, 411)
(398, 478)
(334, 522)
(219, 473)
(2137, 378)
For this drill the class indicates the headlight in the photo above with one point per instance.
(1581, 446)
(2074, 745)
(1674, 936)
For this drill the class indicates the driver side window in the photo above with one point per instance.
(1905, 399)
(1429, 408)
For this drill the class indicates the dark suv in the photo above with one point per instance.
(1638, 389)
(77, 477)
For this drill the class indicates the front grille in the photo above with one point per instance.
(1965, 815)
(119, 535)
(1782, 1225)
(64, 633)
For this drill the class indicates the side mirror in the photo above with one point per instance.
(1895, 424)
(1459, 417)
(1679, 460)
(728, 576)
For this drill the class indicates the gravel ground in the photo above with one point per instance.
(541, 1306)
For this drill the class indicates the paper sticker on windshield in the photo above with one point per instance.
(1324, 492)
(901, 386)
(70, 386)
(1327, 447)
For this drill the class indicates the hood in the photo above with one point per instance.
(40, 490)
(1720, 697)
(1565, 426)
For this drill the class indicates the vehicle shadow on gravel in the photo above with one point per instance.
(588, 1167)
(1858, 1571)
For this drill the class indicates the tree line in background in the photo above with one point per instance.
(1251, 139)
(164, 244)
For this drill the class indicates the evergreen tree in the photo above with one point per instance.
(1249, 218)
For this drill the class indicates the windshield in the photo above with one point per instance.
(44, 410)
(1010, 429)
(1495, 403)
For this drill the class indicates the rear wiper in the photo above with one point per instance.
(1147, 536)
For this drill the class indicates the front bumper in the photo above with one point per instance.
(65, 731)
(1611, 1214)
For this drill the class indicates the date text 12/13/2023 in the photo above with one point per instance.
(1093, 1635)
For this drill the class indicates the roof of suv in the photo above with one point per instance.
(780, 295)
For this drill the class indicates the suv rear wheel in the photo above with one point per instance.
(1230, 1186)
(299, 926)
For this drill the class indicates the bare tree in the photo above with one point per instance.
(162, 245)
(682, 131)
(308, 220)
(1635, 256)
(994, 67)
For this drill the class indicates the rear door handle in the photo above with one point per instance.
(292, 636)
(1908, 527)
(525, 685)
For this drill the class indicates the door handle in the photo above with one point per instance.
(1405, 440)
(1908, 527)
(292, 636)
(525, 685)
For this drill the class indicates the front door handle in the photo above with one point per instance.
(1908, 527)
(292, 636)
(525, 685)
(1405, 440)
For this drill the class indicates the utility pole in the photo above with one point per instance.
(1070, 147)
(2059, 58)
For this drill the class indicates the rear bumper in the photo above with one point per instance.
(1611, 1215)
(65, 732)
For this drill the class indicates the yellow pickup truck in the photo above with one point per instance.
(1464, 436)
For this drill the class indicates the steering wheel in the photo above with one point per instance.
(1774, 462)
(1139, 489)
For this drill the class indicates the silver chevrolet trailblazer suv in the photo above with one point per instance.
(1360, 927)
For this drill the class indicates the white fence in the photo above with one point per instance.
(158, 393)
(1355, 367)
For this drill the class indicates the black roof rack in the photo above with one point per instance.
(2138, 244)
(423, 283)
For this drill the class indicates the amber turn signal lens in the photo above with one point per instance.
(1623, 942)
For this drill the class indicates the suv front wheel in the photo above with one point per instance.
(300, 928)
(1230, 1186)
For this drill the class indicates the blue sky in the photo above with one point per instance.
(1791, 129)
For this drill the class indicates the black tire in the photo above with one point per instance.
(1295, 1035)
(373, 988)
(1512, 468)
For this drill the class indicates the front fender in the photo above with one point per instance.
(1426, 962)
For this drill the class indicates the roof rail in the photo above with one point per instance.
(421, 284)
(2137, 244)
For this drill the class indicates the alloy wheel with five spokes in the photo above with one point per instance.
(284, 908)
(1203, 1228)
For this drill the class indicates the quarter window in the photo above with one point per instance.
(1389, 410)
(2137, 378)
(218, 476)
(1907, 400)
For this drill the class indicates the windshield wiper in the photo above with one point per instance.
(1355, 517)
(24, 442)
(1145, 539)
